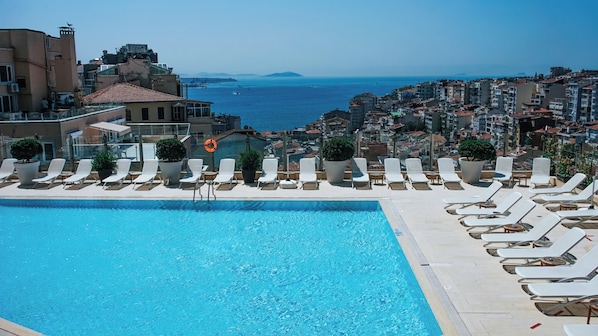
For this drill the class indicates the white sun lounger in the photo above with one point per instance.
(359, 172)
(269, 171)
(567, 292)
(392, 171)
(568, 187)
(446, 170)
(122, 171)
(82, 173)
(501, 209)
(581, 329)
(519, 238)
(226, 172)
(503, 171)
(515, 217)
(558, 249)
(582, 197)
(307, 171)
(482, 197)
(540, 172)
(54, 171)
(580, 215)
(415, 172)
(148, 173)
(7, 169)
(196, 167)
(584, 268)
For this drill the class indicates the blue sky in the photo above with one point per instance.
(330, 37)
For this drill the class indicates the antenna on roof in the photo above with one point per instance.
(69, 24)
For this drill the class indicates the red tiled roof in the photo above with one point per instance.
(128, 93)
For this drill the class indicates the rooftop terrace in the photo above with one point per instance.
(467, 288)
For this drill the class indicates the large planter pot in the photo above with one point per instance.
(471, 170)
(171, 171)
(103, 173)
(335, 171)
(248, 175)
(26, 172)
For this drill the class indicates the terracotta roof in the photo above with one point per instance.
(463, 113)
(128, 93)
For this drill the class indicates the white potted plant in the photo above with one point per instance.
(473, 154)
(336, 153)
(171, 153)
(24, 151)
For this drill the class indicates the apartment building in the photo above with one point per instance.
(518, 93)
(425, 90)
(40, 94)
(35, 66)
(548, 91)
(479, 92)
(358, 107)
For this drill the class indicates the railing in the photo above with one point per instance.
(56, 114)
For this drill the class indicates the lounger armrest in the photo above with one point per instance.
(572, 279)
(521, 243)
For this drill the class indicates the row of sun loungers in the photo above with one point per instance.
(359, 174)
(524, 251)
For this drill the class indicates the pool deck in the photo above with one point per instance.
(467, 288)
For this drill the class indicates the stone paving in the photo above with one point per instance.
(467, 288)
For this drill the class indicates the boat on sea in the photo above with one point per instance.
(236, 93)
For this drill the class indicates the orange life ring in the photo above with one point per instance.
(210, 145)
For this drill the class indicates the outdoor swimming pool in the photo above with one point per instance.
(89, 267)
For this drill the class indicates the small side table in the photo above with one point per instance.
(552, 261)
(65, 175)
(209, 176)
(521, 179)
(487, 204)
(377, 177)
(541, 243)
(593, 306)
(567, 206)
(434, 177)
(134, 174)
(513, 228)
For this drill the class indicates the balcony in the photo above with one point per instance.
(57, 114)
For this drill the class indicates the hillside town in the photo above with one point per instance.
(130, 96)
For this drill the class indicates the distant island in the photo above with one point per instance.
(284, 74)
(202, 81)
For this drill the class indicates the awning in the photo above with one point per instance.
(75, 134)
(110, 127)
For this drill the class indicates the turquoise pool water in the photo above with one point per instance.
(96, 267)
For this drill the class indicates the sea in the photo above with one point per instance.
(287, 103)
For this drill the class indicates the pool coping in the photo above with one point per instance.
(461, 278)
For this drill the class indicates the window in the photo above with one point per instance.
(7, 104)
(128, 114)
(176, 114)
(160, 113)
(6, 73)
(144, 113)
(198, 109)
(48, 151)
(22, 82)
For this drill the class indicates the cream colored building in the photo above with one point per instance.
(151, 106)
(34, 66)
(40, 95)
